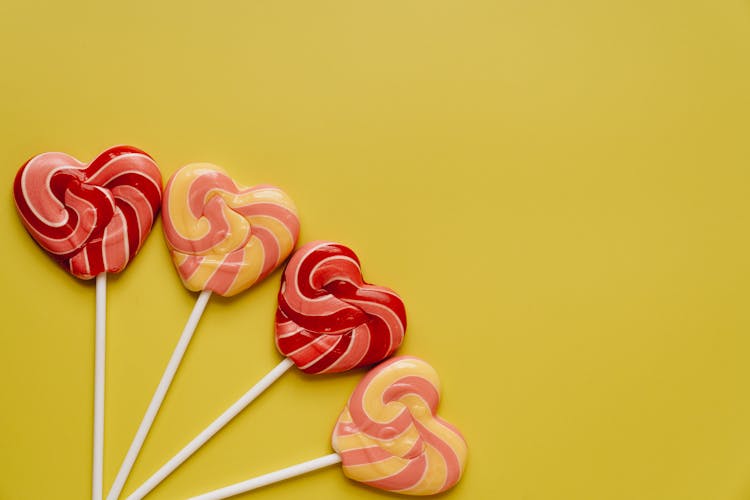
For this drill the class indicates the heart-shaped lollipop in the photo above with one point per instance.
(224, 237)
(388, 436)
(329, 319)
(91, 218)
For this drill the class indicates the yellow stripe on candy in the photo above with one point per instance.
(376, 470)
(252, 265)
(178, 208)
(179, 258)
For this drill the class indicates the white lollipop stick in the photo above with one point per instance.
(99, 350)
(270, 478)
(158, 398)
(212, 429)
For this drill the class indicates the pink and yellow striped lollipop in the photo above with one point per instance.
(388, 436)
(223, 237)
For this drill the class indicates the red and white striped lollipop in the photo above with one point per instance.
(328, 320)
(92, 219)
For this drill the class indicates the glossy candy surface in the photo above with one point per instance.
(390, 437)
(329, 319)
(91, 218)
(225, 237)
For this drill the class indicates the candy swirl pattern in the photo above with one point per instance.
(329, 319)
(225, 237)
(89, 218)
(389, 436)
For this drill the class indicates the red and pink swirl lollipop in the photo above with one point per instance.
(328, 320)
(91, 219)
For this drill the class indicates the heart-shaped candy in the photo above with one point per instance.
(329, 319)
(225, 237)
(90, 218)
(389, 435)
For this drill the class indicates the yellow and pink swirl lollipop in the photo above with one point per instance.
(223, 237)
(388, 436)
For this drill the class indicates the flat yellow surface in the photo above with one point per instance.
(559, 190)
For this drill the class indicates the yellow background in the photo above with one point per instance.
(559, 191)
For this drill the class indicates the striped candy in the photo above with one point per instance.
(89, 218)
(329, 320)
(225, 237)
(389, 436)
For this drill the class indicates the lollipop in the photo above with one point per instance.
(91, 219)
(223, 238)
(388, 436)
(328, 320)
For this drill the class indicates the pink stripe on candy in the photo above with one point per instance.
(226, 272)
(190, 265)
(361, 456)
(452, 463)
(282, 214)
(271, 250)
(115, 253)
